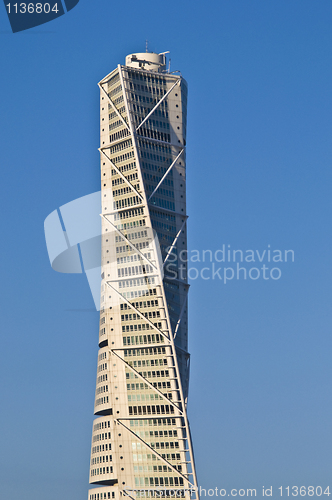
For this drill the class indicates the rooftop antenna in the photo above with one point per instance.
(146, 45)
(169, 65)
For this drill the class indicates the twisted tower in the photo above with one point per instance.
(141, 439)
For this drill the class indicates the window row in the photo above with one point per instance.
(103, 459)
(137, 281)
(101, 437)
(164, 227)
(123, 249)
(161, 191)
(155, 178)
(163, 203)
(131, 224)
(101, 448)
(148, 362)
(141, 98)
(102, 471)
(102, 367)
(101, 401)
(140, 327)
(166, 445)
(132, 258)
(155, 493)
(162, 215)
(154, 134)
(141, 245)
(95, 496)
(119, 180)
(127, 214)
(144, 397)
(144, 326)
(153, 374)
(119, 135)
(124, 168)
(112, 81)
(134, 294)
(119, 147)
(132, 236)
(121, 158)
(163, 238)
(127, 202)
(125, 190)
(137, 387)
(155, 422)
(116, 90)
(102, 389)
(144, 352)
(155, 147)
(147, 434)
(160, 111)
(138, 75)
(102, 425)
(145, 88)
(156, 123)
(139, 305)
(162, 385)
(152, 156)
(131, 317)
(145, 468)
(114, 114)
(116, 124)
(143, 339)
(147, 397)
(118, 100)
(165, 481)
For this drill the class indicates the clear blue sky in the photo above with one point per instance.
(259, 173)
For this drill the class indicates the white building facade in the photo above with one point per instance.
(141, 441)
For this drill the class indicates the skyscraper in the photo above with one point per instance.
(141, 438)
